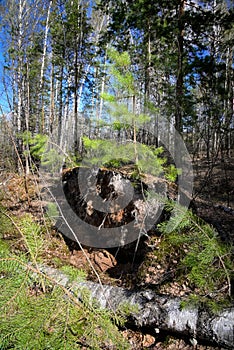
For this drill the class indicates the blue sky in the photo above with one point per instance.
(3, 100)
(2, 97)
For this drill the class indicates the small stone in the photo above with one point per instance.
(148, 340)
(193, 341)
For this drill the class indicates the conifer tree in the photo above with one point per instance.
(124, 119)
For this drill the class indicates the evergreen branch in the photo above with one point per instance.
(204, 248)
(19, 289)
(37, 271)
(200, 228)
(26, 242)
(218, 255)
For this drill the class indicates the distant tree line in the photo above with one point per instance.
(57, 68)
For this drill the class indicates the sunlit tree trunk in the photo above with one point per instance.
(52, 100)
(40, 109)
(60, 103)
(22, 4)
(180, 74)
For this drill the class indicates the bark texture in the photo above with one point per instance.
(161, 312)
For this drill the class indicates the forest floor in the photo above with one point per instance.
(213, 201)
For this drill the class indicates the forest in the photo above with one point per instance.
(116, 174)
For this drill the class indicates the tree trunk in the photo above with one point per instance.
(76, 74)
(60, 103)
(52, 100)
(160, 312)
(180, 77)
(40, 109)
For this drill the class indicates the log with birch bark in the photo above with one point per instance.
(160, 312)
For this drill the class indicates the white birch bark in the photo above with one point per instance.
(159, 312)
(41, 83)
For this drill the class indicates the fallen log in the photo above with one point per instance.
(161, 312)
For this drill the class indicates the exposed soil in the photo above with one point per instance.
(213, 201)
